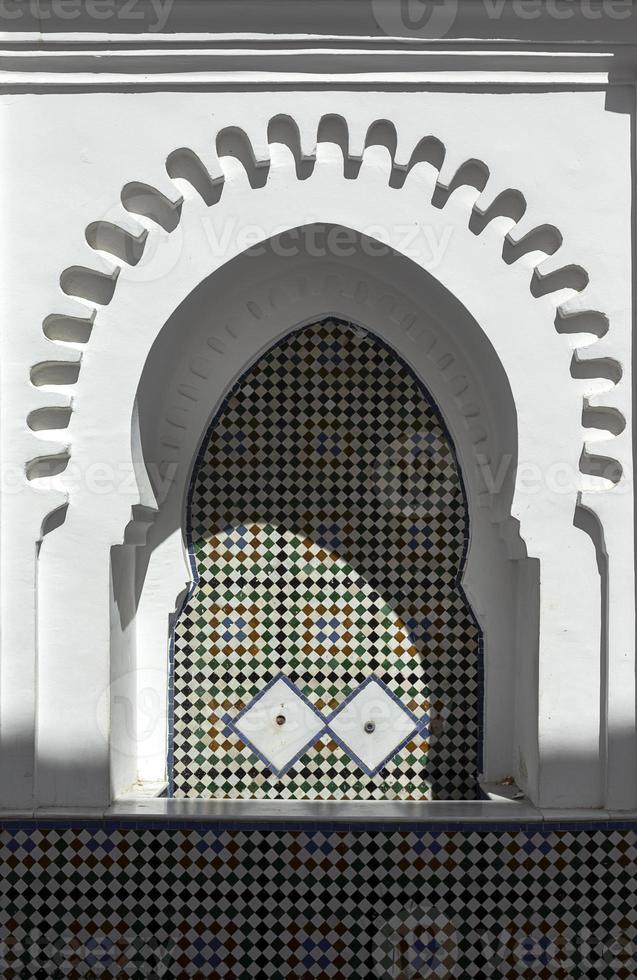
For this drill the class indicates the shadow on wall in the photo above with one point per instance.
(328, 528)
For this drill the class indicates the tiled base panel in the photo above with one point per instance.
(128, 902)
(328, 531)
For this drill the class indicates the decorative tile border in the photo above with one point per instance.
(109, 902)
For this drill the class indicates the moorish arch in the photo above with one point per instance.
(522, 332)
(178, 395)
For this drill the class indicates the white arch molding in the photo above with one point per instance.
(563, 758)
(290, 292)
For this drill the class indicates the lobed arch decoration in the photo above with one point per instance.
(123, 245)
(106, 328)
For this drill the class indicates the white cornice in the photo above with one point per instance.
(154, 63)
(249, 43)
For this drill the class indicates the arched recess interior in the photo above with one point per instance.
(182, 387)
(327, 528)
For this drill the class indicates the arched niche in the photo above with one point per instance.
(260, 297)
(185, 214)
(102, 751)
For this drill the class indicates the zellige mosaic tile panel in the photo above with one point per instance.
(328, 530)
(171, 904)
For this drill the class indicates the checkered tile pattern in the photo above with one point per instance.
(328, 528)
(135, 903)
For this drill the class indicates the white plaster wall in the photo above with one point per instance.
(67, 157)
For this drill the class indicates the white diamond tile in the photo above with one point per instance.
(278, 743)
(372, 706)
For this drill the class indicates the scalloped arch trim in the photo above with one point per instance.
(154, 208)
